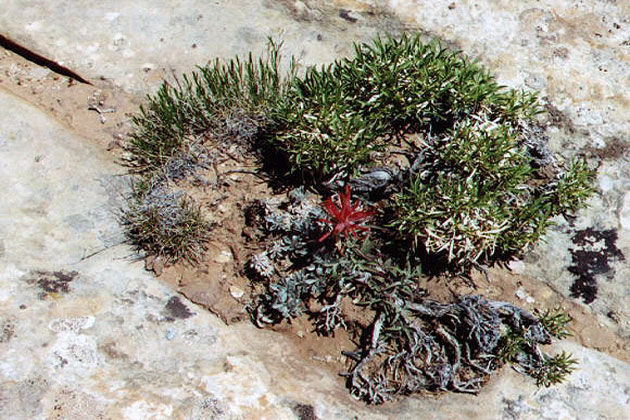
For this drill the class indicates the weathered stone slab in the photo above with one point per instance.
(100, 338)
(96, 336)
(136, 44)
(98, 333)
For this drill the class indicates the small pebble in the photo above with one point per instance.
(606, 183)
(517, 266)
(170, 334)
(521, 294)
(236, 292)
(223, 257)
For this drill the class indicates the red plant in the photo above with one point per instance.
(345, 219)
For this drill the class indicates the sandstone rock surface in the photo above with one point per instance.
(86, 333)
(136, 44)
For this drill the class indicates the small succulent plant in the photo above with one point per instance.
(346, 217)
(262, 265)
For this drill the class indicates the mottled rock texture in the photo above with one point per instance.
(99, 338)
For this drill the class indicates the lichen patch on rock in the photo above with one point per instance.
(592, 256)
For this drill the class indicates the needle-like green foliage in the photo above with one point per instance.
(474, 196)
(226, 101)
(338, 116)
(221, 99)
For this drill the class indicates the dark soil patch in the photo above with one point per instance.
(305, 412)
(557, 118)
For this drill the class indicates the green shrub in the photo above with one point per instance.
(475, 195)
(474, 182)
(206, 102)
(337, 117)
(471, 190)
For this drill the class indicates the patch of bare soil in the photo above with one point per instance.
(97, 112)
(219, 282)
